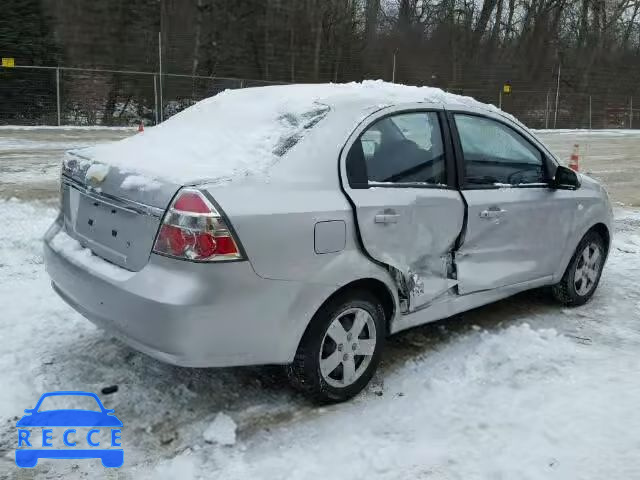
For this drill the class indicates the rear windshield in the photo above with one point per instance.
(296, 125)
(230, 136)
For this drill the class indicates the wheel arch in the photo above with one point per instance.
(304, 370)
(602, 230)
(566, 290)
(378, 289)
(375, 286)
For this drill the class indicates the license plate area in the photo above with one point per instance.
(117, 234)
(106, 224)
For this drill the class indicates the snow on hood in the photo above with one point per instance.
(244, 132)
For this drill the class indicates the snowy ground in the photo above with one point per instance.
(522, 389)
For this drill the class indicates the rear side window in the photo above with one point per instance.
(496, 154)
(403, 148)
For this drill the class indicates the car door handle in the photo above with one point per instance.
(386, 218)
(492, 213)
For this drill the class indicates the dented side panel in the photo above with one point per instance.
(413, 231)
(513, 235)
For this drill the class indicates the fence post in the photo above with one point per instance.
(500, 99)
(58, 94)
(393, 71)
(546, 112)
(590, 112)
(631, 112)
(155, 97)
(160, 75)
(555, 115)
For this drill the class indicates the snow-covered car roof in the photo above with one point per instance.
(243, 132)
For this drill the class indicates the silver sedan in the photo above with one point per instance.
(373, 216)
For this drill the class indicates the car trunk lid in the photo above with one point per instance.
(116, 214)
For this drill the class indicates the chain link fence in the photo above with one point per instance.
(539, 109)
(66, 96)
(84, 97)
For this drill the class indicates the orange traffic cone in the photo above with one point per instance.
(574, 160)
(141, 127)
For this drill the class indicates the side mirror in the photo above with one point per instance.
(565, 179)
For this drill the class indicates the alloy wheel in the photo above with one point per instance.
(587, 269)
(347, 347)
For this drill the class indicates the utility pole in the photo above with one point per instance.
(546, 112)
(160, 73)
(393, 73)
(555, 115)
(155, 96)
(58, 95)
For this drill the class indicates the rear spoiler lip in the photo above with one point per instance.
(119, 202)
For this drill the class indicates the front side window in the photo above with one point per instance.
(403, 148)
(496, 154)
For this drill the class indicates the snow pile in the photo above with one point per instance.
(139, 182)
(221, 431)
(96, 173)
(21, 239)
(76, 253)
(184, 466)
(512, 403)
(244, 132)
(22, 298)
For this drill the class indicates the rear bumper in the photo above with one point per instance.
(185, 313)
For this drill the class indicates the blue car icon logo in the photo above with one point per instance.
(101, 422)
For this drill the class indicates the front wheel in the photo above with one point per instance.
(582, 276)
(341, 348)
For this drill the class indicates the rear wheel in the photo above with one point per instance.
(341, 348)
(582, 276)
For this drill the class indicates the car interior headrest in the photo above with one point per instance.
(357, 167)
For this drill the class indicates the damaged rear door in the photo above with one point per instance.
(398, 171)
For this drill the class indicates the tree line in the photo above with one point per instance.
(466, 46)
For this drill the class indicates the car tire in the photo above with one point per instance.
(349, 332)
(581, 278)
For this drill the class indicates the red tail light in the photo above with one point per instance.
(192, 229)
